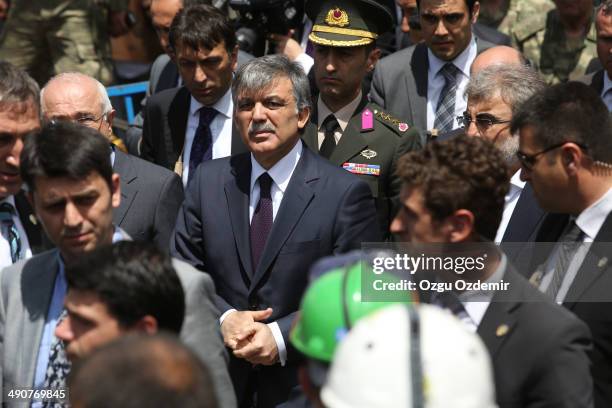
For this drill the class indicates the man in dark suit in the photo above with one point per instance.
(566, 153)
(191, 124)
(600, 79)
(352, 132)
(150, 194)
(20, 235)
(424, 83)
(453, 192)
(257, 221)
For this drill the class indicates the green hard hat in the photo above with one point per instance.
(330, 308)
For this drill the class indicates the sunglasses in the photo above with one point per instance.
(483, 121)
(529, 160)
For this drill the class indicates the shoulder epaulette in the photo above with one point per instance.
(396, 125)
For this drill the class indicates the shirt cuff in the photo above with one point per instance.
(224, 315)
(306, 61)
(280, 342)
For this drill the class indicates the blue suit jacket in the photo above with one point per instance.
(325, 210)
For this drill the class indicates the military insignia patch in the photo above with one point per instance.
(358, 168)
(369, 154)
(403, 127)
(367, 120)
(337, 17)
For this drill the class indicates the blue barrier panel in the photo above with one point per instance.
(126, 92)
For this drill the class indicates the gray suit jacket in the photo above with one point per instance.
(400, 83)
(25, 292)
(150, 199)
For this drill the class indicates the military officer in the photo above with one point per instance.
(504, 15)
(48, 37)
(562, 42)
(352, 132)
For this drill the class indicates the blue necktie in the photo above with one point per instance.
(9, 230)
(201, 148)
(261, 224)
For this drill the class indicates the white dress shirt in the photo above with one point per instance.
(220, 127)
(514, 193)
(281, 174)
(590, 222)
(305, 60)
(5, 246)
(606, 92)
(436, 81)
(342, 116)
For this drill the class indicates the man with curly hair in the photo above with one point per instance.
(453, 194)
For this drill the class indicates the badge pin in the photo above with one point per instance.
(502, 330)
(369, 154)
(602, 262)
(337, 17)
(403, 127)
(536, 278)
(33, 219)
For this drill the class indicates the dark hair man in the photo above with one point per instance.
(453, 193)
(425, 83)
(283, 207)
(352, 132)
(566, 155)
(73, 190)
(139, 371)
(193, 123)
(21, 236)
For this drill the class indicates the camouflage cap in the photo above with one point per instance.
(347, 23)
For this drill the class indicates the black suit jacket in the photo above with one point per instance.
(540, 357)
(165, 122)
(594, 80)
(590, 298)
(150, 199)
(325, 210)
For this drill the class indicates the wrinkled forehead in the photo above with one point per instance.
(279, 86)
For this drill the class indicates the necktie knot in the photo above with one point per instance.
(449, 71)
(207, 114)
(330, 124)
(7, 208)
(265, 185)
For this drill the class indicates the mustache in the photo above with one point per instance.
(261, 127)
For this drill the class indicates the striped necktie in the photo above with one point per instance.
(445, 111)
(10, 231)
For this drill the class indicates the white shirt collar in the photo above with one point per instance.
(516, 184)
(463, 61)
(281, 172)
(591, 219)
(343, 115)
(224, 105)
(11, 200)
(486, 295)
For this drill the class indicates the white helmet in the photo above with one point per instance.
(410, 357)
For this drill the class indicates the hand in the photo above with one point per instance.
(236, 323)
(257, 345)
(3, 9)
(286, 45)
(117, 23)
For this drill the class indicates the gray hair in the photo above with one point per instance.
(17, 87)
(76, 77)
(513, 83)
(259, 73)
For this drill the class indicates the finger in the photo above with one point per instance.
(260, 315)
(249, 351)
(245, 334)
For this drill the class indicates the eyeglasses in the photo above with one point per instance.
(529, 160)
(89, 120)
(483, 121)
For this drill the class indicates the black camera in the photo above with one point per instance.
(258, 18)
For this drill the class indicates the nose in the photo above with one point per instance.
(441, 30)
(472, 130)
(259, 113)
(396, 225)
(199, 74)
(72, 216)
(330, 62)
(525, 174)
(13, 158)
(63, 330)
(405, 27)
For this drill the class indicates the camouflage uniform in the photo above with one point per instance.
(47, 37)
(542, 40)
(519, 10)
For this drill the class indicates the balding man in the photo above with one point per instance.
(500, 54)
(150, 194)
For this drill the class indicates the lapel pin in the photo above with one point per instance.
(603, 262)
(33, 219)
(502, 330)
(536, 278)
(403, 127)
(369, 154)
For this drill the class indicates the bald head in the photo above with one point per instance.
(498, 55)
(78, 98)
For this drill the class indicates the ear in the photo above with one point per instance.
(373, 58)
(460, 225)
(475, 12)
(571, 158)
(116, 190)
(110, 116)
(234, 58)
(147, 324)
(303, 117)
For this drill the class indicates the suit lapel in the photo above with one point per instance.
(418, 87)
(598, 81)
(124, 167)
(295, 200)
(351, 142)
(36, 237)
(237, 191)
(178, 115)
(238, 145)
(525, 217)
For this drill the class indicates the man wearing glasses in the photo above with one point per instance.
(566, 154)
(493, 94)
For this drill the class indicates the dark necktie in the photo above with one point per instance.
(330, 126)
(568, 245)
(201, 148)
(10, 231)
(445, 111)
(58, 368)
(261, 224)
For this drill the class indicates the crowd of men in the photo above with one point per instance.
(213, 256)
